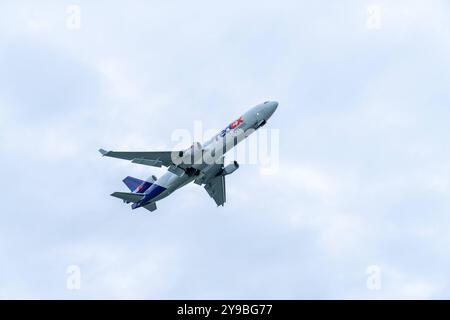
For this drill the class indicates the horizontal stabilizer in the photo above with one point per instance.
(128, 196)
(150, 207)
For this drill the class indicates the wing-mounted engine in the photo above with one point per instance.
(190, 156)
(229, 169)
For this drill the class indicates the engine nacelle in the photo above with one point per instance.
(193, 154)
(229, 169)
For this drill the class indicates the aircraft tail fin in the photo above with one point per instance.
(136, 185)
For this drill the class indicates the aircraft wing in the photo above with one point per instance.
(216, 189)
(152, 158)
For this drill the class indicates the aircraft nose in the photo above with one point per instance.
(271, 108)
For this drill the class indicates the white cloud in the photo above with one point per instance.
(117, 81)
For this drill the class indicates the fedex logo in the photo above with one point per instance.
(232, 126)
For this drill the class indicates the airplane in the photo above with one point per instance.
(203, 164)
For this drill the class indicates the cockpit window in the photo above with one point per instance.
(266, 102)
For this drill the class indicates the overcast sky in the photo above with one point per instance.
(362, 191)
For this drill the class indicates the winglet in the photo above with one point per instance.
(103, 152)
